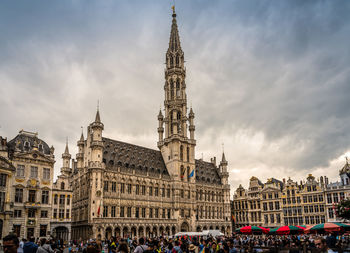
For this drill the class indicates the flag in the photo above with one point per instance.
(191, 174)
(98, 211)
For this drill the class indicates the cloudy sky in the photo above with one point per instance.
(269, 79)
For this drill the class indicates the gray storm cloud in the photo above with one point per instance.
(271, 80)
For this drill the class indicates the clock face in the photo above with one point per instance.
(98, 193)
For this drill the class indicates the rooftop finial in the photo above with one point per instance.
(173, 8)
(98, 104)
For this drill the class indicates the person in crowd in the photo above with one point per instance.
(321, 245)
(192, 248)
(176, 248)
(30, 246)
(123, 248)
(11, 243)
(141, 247)
(44, 247)
(21, 244)
(92, 248)
(231, 247)
(331, 240)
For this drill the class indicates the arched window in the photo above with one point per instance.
(188, 154)
(178, 116)
(62, 186)
(171, 61)
(178, 88)
(177, 60)
(181, 153)
(171, 89)
(41, 147)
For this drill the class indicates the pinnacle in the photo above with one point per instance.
(82, 137)
(223, 159)
(97, 118)
(66, 151)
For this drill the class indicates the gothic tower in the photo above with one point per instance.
(66, 170)
(177, 148)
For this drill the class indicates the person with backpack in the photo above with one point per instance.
(141, 247)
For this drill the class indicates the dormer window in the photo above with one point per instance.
(26, 145)
(41, 147)
(62, 186)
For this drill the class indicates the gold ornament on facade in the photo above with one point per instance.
(33, 182)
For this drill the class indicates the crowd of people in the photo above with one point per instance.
(184, 244)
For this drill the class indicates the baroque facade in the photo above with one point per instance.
(288, 202)
(28, 201)
(124, 189)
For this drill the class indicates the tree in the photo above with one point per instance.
(343, 209)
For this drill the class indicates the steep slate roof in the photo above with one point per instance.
(129, 155)
(146, 159)
(206, 172)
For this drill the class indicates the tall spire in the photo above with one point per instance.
(174, 42)
(174, 55)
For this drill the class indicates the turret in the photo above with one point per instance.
(66, 161)
(223, 169)
(80, 154)
(96, 143)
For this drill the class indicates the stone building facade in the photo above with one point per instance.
(240, 209)
(292, 203)
(128, 190)
(7, 172)
(62, 195)
(271, 203)
(31, 185)
(336, 192)
(288, 202)
(313, 201)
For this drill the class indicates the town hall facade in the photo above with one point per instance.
(122, 189)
